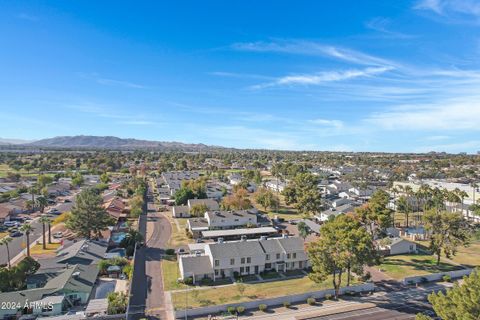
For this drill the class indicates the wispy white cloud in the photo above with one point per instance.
(313, 48)
(323, 77)
(455, 115)
(456, 11)
(433, 5)
(338, 124)
(110, 82)
(381, 24)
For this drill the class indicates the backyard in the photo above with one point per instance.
(170, 274)
(247, 292)
(287, 212)
(179, 236)
(401, 266)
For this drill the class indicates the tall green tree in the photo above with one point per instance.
(343, 245)
(303, 230)
(304, 193)
(41, 202)
(266, 198)
(460, 302)
(448, 230)
(27, 229)
(375, 215)
(88, 217)
(44, 221)
(4, 242)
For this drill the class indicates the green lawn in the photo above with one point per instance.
(170, 275)
(401, 266)
(255, 291)
(179, 236)
(468, 256)
(287, 212)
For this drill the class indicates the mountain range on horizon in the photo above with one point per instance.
(105, 142)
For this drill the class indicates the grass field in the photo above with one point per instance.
(38, 248)
(401, 266)
(170, 275)
(284, 211)
(179, 236)
(233, 293)
(468, 256)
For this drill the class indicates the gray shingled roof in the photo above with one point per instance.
(196, 265)
(235, 249)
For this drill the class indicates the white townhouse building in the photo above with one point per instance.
(244, 257)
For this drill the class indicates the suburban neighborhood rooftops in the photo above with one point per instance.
(237, 232)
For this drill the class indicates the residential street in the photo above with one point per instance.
(16, 247)
(147, 291)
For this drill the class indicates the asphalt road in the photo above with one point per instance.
(147, 296)
(15, 246)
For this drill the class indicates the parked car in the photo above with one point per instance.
(58, 235)
(15, 234)
(11, 223)
(54, 211)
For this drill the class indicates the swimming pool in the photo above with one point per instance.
(117, 237)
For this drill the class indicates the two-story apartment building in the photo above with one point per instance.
(244, 257)
(214, 220)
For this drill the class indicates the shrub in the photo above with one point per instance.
(206, 282)
(286, 304)
(367, 276)
(236, 275)
(262, 307)
(447, 278)
(188, 281)
(311, 301)
(231, 310)
(328, 296)
(170, 252)
(240, 309)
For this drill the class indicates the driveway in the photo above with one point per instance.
(147, 296)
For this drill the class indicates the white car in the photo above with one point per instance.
(11, 223)
(58, 235)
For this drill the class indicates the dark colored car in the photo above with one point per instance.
(15, 234)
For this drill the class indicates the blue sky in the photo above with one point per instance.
(299, 75)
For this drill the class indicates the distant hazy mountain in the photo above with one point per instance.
(108, 142)
(13, 141)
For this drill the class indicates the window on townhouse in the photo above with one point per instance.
(217, 263)
(216, 272)
(288, 255)
(236, 220)
(249, 259)
(232, 262)
(267, 257)
(294, 255)
(247, 269)
(242, 261)
(278, 256)
(242, 269)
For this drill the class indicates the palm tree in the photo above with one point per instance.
(27, 229)
(4, 242)
(42, 203)
(32, 192)
(408, 190)
(44, 221)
